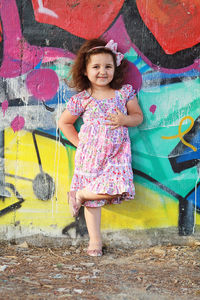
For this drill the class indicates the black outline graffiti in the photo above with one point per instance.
(180, 148)
(37, 152)
(157, 183)
(191, 192)
(15, 205)
(1, 43)
(51, 109)
(165, 188)
(31, 28)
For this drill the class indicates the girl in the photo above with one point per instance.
(103, 172)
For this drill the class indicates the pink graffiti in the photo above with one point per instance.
(18, 123)
(152, 109)
(42, 84)
(133, 76)
(19, 56)
(4, 106)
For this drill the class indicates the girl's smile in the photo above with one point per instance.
(100, 70)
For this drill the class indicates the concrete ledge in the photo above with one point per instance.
(151, 237)
(121, 239)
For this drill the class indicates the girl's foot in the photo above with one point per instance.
(74, 203)
(95, 249)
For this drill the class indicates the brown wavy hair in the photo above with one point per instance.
(79, 80)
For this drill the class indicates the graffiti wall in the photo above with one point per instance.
(38, 43)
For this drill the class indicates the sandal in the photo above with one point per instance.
(95, 252)
(74, 205)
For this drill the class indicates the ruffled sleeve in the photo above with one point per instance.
(75, 106)
(128, 91)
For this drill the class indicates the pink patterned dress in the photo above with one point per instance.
(103, 155)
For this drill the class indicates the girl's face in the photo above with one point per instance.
(100, 69)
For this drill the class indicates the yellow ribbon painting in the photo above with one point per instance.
(181, 134)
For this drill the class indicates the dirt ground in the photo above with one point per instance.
(159, 272)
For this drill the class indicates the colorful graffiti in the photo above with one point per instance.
(38, 42)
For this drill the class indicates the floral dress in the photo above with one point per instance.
(103, 155)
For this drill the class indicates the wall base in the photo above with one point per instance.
(121, 238)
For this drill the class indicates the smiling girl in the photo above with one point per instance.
(103, 171)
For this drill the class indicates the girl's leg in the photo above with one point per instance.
(93, 222)
(85, 195)
(76, 199)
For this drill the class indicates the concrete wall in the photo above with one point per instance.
(38, 42)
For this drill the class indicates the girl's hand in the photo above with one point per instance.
(116, 120)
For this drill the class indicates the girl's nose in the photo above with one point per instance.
(103, 70)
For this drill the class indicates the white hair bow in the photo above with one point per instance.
(113, 47)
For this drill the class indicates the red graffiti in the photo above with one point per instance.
(86, 19)
(174, 23)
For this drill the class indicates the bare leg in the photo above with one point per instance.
(93, 221)
(76, 199)
(85, 195)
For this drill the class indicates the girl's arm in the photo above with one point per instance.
(134, 117)
(65, 123)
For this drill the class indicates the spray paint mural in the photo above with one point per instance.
(39, 40)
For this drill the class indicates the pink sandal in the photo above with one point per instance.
(95, 252)
(74, 205)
